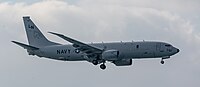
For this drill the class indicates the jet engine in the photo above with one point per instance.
(110, 55)
(123, 62)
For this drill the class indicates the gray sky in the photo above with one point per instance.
(173, 21)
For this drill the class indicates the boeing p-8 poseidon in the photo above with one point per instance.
(118, 53)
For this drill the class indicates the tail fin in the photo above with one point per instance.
(34, 35)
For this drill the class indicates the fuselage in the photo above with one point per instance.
(118, 53)
(127, 50)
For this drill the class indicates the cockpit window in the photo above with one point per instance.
(137, 46)
(167, 45)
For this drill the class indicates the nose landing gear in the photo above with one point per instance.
(162, 61)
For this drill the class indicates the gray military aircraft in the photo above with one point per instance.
(119, 53)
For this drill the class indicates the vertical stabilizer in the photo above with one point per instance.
(34, 35)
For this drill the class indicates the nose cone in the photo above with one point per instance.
(177, 50)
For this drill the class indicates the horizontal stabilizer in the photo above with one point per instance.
(28, 47)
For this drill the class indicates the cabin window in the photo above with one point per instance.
(137, 46)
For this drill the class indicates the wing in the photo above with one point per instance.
(90, 50)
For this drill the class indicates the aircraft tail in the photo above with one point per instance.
(34, 35)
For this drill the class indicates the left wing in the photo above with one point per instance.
(90, 50)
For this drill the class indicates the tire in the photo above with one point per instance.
(103, 66)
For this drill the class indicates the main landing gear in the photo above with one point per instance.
(103, 66)
(95, 62)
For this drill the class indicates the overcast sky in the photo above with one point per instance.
(173, 21)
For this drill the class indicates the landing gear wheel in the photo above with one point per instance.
(95, 62)
(103, 66)
(162, 62)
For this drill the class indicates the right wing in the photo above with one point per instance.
(28, 47)
(91, 51)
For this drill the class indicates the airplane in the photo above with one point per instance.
(118, 53)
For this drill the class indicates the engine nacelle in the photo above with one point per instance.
(123, 62)
(110, 55)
